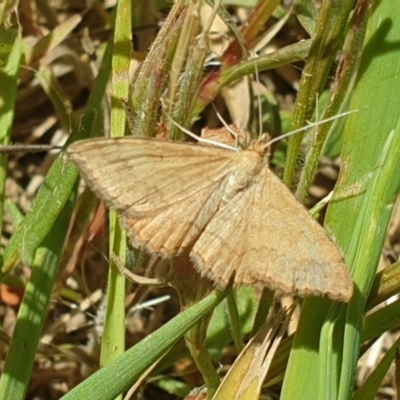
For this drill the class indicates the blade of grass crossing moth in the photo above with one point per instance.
(131, 365)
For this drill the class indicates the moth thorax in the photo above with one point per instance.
(248, 165)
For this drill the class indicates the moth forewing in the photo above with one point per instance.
(227, 208)
(165, 193)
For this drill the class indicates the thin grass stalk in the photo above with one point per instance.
(341, 90)
(113, 339)
(329, 36)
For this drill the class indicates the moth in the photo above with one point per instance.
(233, 214)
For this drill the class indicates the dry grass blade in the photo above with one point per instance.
(245, 379)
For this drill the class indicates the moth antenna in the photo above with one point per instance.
(311, 125)
(198, 138)
(227, 127)
(202, 140)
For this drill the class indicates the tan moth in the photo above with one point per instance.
(237, 218)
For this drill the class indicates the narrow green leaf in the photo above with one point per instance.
(329, 36)
(58, 184)
(128, 368)
(365, 250)
(370, 387)
(365, 136)
(10, 55)
(113, 340)
(32, 312)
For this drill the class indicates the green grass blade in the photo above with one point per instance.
(129, 367)
(113, 340)
(58, 184)
(369, 388)
(31, 315)
(382, 320)
(40, 219)
(369, 235)
(10, 54)
(302, 374)
(361, 234)
(365, 137)
(342, 89)
(328, 38)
